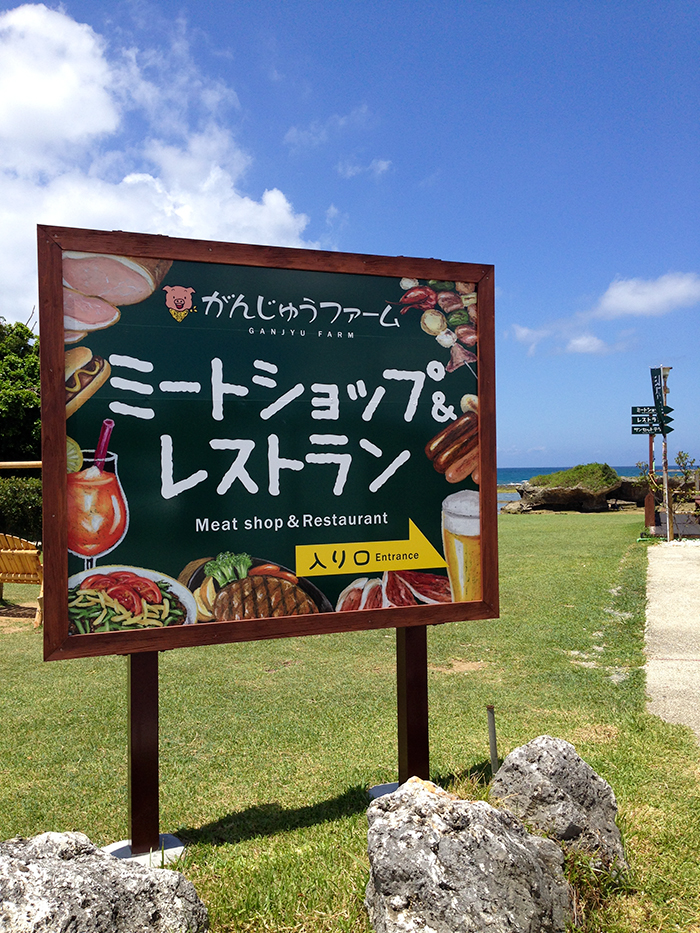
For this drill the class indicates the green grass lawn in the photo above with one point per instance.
(267, 748)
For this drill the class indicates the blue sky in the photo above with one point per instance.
(557, 140)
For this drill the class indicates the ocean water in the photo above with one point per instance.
(509, 475)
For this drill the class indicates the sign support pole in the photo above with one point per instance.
(412, 702)
(668, 499)
(649, 502)
(143, 752)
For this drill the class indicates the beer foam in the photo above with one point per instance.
(460, 513)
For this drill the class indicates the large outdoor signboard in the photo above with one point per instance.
(245, 442)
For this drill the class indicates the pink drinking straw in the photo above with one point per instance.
(103, 443)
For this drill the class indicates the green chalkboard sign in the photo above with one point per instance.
(244, 442)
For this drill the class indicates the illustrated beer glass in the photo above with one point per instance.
(461, 544)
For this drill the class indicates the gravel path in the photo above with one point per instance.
(673, 632)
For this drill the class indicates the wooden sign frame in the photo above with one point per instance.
(52, 243)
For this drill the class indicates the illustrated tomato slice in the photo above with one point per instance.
(98, 581)
(127, 597)
(147, 589)
(124, 576)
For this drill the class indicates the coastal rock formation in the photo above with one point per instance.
(61, 881)
(577, 498)
(546, 784)
(455, 866)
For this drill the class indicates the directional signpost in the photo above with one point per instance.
(645, 420)
(655, 419)
(659, 387)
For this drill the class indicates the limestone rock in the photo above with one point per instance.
(555, 791)
(443, 865)
(632, 490)
(573, 498)
(513, 508)
(61, 882)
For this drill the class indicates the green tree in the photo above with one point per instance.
(20, 425)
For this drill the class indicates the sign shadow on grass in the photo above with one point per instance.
(479, 774)
(267, 819)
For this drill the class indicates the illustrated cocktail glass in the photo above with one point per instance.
(461, 544)
(98, 513)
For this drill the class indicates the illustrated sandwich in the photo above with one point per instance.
(85, 373)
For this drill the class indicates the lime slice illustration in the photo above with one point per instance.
(74, 455)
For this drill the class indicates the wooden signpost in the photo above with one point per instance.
(652, 420)
(245, 442)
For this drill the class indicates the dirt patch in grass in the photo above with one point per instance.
(15, 616)
(459, 666)
(596, 734)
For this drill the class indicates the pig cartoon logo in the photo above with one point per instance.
(179, 301)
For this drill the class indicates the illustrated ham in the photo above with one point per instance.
(427, 587)
(83, 313)
(351, 597)
(372, 594)
(362, 593)
(261, 597)
(395, 588)
(73, 336)
(120, 280)
(396, 592)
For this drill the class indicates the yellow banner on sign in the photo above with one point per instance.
(417, 553)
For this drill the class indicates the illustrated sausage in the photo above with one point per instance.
(85, 373)
(465, 425)
(460, 469)
(455, 450)
(465, 445)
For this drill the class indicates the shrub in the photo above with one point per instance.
(20, 507)
(591, 476)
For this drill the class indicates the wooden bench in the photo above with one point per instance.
(20, 563)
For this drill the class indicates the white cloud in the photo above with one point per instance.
(317, 133)
(112, 140)
(649, 297)
(350, 168)
(624, 298)
(587, 343)
(55, 86)
(529, 337)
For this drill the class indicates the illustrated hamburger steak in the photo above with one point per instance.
(261, 597)
(235, 588)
